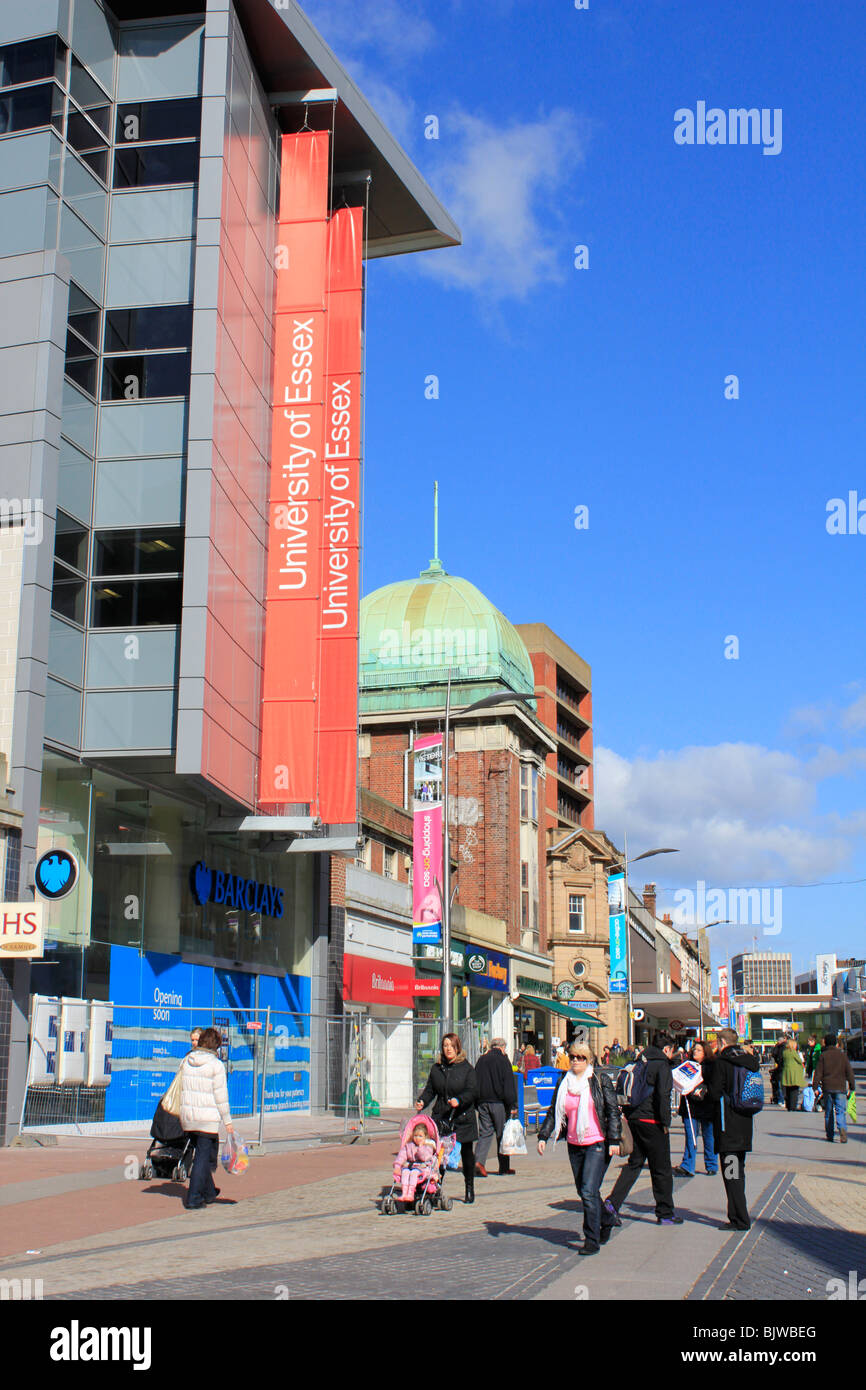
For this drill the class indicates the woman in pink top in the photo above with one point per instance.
(585, 1109)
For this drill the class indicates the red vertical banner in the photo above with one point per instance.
(341, 498)
(294, 578)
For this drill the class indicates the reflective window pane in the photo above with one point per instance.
(144, 216)
(165, 326)
(158, 120)
(156, 551)
(27, 62)
(62, 716)
(82, 87)
(109, 664)
(134, 378)
(82, 370)
(82, 134)
(65, 651)
(67, 595)
(129, 719)
(78, 417)
(156, 272)
(28, 108)
(145, 428)
(159, 61)
(85, 194)
(93, 40)
(144, 165)
(74, 481)
(70, 542)
(146, 491)
(84, 316)
(137, 603)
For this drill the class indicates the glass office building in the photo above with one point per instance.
(139, 188)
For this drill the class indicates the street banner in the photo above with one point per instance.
(742, 1023)
(288, 773)
(723, 992)
(427, 831)
(618, 937)
(337, 754)
(22, 930)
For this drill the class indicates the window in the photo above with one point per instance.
(140, 603)
(363, 855)
(87, 93)
(31, 107)
(89, 141)
(162, 326)
(27, 62)
(67, 595)
(576, 912)
(524, 911)
(70, 543)
(524, 874)
(535, 793)
(156, 551)
(80, 364)
(84, 316)
(524, 791)
(389, 865)
(137, 378)
(158, 120)
(144, 165)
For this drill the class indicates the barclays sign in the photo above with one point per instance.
(231, 890)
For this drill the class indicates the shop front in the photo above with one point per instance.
(382, 993)
(532, 997)
(487, 1002)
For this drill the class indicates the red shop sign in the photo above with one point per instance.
(368, 981)
(426, 986)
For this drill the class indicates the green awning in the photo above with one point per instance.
(555, 1006)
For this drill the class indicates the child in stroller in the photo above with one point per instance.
(419, 1169)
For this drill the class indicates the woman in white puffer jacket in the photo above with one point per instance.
(204, 1102)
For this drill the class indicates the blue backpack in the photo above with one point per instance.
(631, 1084)
(747, 1096)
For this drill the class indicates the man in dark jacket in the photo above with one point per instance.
(834, 1075)
(732, 1131)
(649, 1121)
(497, 1098)
(776, 1072)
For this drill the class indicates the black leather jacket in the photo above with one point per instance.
(606, 1108)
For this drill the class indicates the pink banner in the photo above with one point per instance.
(427, 832)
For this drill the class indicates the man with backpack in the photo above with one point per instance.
(645, 1090)
(736, 1088)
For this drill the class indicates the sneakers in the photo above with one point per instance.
(612, 1212)
(669, 1220)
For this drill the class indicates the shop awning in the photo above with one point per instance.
(555, 1006)
(673, 1008)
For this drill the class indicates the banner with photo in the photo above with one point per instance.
(427, 836)
(618, 939)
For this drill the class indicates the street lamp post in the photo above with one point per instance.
(647, 854)
(498, 698)
(703, 926)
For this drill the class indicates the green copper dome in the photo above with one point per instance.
(412, 632)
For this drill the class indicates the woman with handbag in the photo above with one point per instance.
(453, 1083)
(585, 1109)
(696, 1112)
(204, 1102)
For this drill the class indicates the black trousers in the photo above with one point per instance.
(467, 1161)
(776, 1084)
(791, 1096)
(732, 1167)
(652, 1146)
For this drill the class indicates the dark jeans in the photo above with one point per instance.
(588, 1164)
(652, 1146)
(791, 1096)
(776, 1085)
(201, 1184)
(733, 1166)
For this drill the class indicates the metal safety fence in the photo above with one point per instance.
(95, 1066)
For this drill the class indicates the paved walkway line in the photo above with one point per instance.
(741, 1244)
(16, 1192)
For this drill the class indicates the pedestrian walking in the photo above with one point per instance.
(776, 1070)
(204, 1102)
(561, 1061)
(497, 1099)
(585, 1110)
(453, 1087)
(811, 1053)
(648, 1111)
(732, 1128)
(696, 1112)
(835, 1075)
(792, 1076)
(531, 1059)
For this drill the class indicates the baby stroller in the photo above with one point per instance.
(428, 1193)
(170, 1154)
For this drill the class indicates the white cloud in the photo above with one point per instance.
(504, 186)
(854, 717)
(399, 30)
(738, 813)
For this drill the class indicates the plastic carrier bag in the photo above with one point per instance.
(808, 1098)
(513, 1138)
(851, 1108)
(452, 1154)
(235, 1156)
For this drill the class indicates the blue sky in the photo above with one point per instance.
(606, 387)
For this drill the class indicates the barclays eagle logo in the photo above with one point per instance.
(201, 880)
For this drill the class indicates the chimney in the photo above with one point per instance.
(649, 898)
(667, 919)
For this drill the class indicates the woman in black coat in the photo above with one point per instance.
(453, 1083)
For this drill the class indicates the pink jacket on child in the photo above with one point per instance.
(413, 1153)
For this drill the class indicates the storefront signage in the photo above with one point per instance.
(434, 955)
(56, 874)
(566, 990)
(618, 934)
(427, 831)
(427, 987)
(214, 886)
(367, 981)
(489, 968)
(22, 930)
(527, 984)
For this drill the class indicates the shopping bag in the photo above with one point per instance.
(851, 1108)
(626, 1143)
(513, 1138)
(235, 1156)
(452, 1154)
(171, 1100)
(808, 1098)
